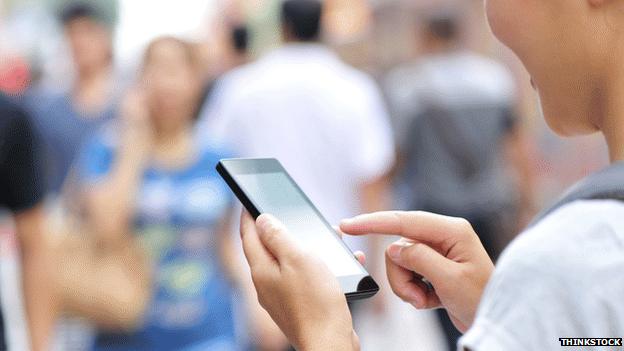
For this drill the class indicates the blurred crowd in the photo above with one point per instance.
(369, 105)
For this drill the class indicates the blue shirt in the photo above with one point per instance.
(63, 130)
(176, 219)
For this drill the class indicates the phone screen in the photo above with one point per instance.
(275, 193)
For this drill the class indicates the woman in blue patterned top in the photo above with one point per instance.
(147, 176)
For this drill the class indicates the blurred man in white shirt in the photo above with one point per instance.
(324, 120)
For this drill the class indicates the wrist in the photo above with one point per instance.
(339, 339)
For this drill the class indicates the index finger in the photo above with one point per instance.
(417, 225)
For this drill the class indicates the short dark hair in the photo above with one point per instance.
(302, 18)
(76, 10)
(240, 38)
(445, 27)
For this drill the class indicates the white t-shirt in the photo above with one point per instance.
(562, 278)
(322, 119)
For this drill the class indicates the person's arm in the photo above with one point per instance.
(110, 202)
(22, 187)
(37, 263)
(265, 333)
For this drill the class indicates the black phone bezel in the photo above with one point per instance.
(357, 286)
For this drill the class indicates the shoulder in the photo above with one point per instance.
(97, 154)
(108, 135)
(567, 248)
(9, 108)
(411, 74)
(487, 67)
(574, 247)
(559, 278)
(483, 64)
(569, 232)
(14, 121)
(102, 144)
(210, 152)
(242, 83)
(42, 98)
(360, 87)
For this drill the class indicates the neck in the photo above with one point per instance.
(288, 38)
(173, 146)
(90, 76)
(611, 122)
(437, 46)
(91, 92)
(170, 135)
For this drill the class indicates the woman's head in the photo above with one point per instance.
(172, 81)
(570, 48)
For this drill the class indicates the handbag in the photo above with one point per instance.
(109, 286)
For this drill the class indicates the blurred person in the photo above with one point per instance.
(560, 278)
(21, 192)
(457, 129)
(148, 176)
(324, 120)
(66, 119)
(236, 55)
(239, 45)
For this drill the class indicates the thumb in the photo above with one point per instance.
(420, 258)
(275, 237)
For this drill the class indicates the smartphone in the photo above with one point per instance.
(263, 186)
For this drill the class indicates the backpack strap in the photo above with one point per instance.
(603, 185)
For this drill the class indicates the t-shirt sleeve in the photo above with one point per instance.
(21, 175)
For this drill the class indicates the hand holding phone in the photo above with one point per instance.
(264, 186)
(296, 288)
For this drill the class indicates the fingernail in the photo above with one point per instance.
(394, 251)
(346, 221)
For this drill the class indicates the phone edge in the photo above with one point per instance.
(238, 192)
